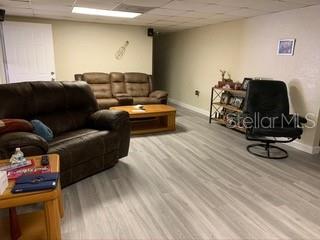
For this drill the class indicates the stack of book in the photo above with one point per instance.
(28, 167)
(3, 181)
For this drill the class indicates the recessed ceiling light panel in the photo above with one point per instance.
(106, 13)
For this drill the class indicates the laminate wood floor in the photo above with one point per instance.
(197, 183)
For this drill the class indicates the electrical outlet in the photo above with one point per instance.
(197, 93)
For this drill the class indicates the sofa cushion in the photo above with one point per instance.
(70, 146)
(60, 122)
(117, 83)
(107, 103)
(96, 78)
(146, 100)
(137, 84)
(101, 90)
(99, 83)
(136, 77)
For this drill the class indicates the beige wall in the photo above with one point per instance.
(85, 47)
(191, 59)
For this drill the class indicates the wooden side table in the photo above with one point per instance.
(36, 225)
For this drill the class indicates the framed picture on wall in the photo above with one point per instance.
(286, 47)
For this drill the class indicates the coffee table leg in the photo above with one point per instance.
(52, 215)
(171, 121)
(61, 208)
(15, 231)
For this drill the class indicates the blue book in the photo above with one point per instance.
(36, 182)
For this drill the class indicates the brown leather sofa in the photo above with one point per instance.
(87, 140)
(116, 89)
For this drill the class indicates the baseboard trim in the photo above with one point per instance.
(295, 144)
(188, 106)
(305, 148)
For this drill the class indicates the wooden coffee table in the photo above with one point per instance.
(43, 224)
(154, 118)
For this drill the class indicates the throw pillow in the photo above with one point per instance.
(14, 125)
(42, 130)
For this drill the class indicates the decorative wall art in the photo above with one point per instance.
(286, 47)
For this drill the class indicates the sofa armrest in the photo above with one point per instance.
(30, 144)
(158, 94)
(108, 119)
(114, 120)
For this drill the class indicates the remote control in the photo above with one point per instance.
(44, 160)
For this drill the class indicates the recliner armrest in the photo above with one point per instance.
(30, 144)
(108, 119)
(158, 94)
(114, 120)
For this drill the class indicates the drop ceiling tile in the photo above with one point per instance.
(59, 2)
(107, 5)
(236, 3)
(164, 23)
(306, 2)
(208, 1)
(56, 8)
(265, 5)
(173, 29)
(246, 12)
(19, 11)
(148, 16)
(143, 21)
(214, 8)
(55, 17)
(208, 21)
(55, 13)
(166, 12)
(185, 5)
(147, 3)
(183, 19)
(195, 14)
(194, 24)
(52, 3)
(13, 4)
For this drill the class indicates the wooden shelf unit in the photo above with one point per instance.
(232, 91)
(227, 106)
(217, 108)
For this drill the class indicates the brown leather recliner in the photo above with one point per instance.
(116, 89)
(87, 140)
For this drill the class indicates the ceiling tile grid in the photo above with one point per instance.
(164, 15)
